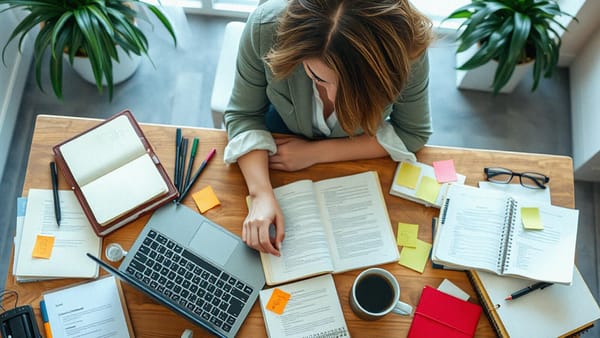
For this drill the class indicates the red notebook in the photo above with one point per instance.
(441, 315)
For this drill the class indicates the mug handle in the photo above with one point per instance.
(402, 308)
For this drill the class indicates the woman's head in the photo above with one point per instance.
(367, 44)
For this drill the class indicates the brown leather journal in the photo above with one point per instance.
(114, 172)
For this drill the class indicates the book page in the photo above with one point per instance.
(123, 189)
(73, 239)
(547, 254)
(88, 309)
(357, 222)
(304, 250)
(102, 150)
(470, 228)
(313, 310)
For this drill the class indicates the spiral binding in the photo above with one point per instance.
(511, 232)
(506, 238)
(333, 333)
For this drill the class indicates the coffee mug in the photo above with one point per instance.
(375, 293)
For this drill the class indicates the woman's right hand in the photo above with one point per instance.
(264, 211)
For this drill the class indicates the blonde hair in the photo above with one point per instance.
(368, 44)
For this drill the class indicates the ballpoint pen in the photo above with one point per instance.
(45, 319)
(196, 174)
(186, 181)
(177, 146)
(54, 175)
(182, 152)
(528, 289)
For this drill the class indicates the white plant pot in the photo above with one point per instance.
(481, 78)
(122, 70)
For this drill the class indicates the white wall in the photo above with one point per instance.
(585, 109)
(574, 39)
(12, 81)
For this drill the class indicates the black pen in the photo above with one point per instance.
(54, 175)
(198, 172)
(528, 289)
(177, 145)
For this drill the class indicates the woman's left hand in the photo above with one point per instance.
(293, 153)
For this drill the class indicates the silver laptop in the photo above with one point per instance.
(194, 267)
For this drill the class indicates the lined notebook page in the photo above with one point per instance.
(133, 184)
(102, 150)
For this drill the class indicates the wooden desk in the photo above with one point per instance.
(153, 320)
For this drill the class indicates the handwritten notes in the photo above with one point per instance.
(206, 199)
(43, 246)
(278, 301)
(531, 218)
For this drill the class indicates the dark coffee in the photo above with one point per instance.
(374, 293)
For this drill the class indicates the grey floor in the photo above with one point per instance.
(177, 89)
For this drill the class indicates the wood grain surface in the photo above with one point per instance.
(151, 319)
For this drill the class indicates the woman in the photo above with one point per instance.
(346, 79)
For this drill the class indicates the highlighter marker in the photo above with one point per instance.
(45, 319)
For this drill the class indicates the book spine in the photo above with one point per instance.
(488, 306)
(444, 211)
(506, 238)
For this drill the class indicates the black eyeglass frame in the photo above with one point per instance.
(539, 179)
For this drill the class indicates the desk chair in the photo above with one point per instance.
(225, 74)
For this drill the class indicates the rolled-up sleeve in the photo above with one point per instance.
(248, 141)
(410, 116)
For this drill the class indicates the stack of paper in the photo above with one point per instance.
(43, 250)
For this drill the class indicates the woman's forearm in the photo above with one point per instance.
(255, 168)
(349, 148)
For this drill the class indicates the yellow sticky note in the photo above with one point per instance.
(43, 246)
(278, 301)
(415, 258)
(408, 175)
(407, 234)
(428, 189)
(531, 218)
(205, 199)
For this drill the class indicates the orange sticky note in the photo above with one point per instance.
(205, 199)
(408, 175)
(278, 301)
(43, 246)
(444, 171)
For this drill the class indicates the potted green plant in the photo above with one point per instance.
(104, 31)
(509, 33)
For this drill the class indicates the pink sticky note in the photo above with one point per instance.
(444, 171)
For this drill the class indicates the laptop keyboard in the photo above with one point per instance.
(204, 290)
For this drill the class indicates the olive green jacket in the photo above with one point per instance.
(255, 89)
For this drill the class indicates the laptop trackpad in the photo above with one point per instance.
(213, 244)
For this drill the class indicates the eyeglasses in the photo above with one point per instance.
(527, 179)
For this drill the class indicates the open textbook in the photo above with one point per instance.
(483, 229)
(333, 225)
